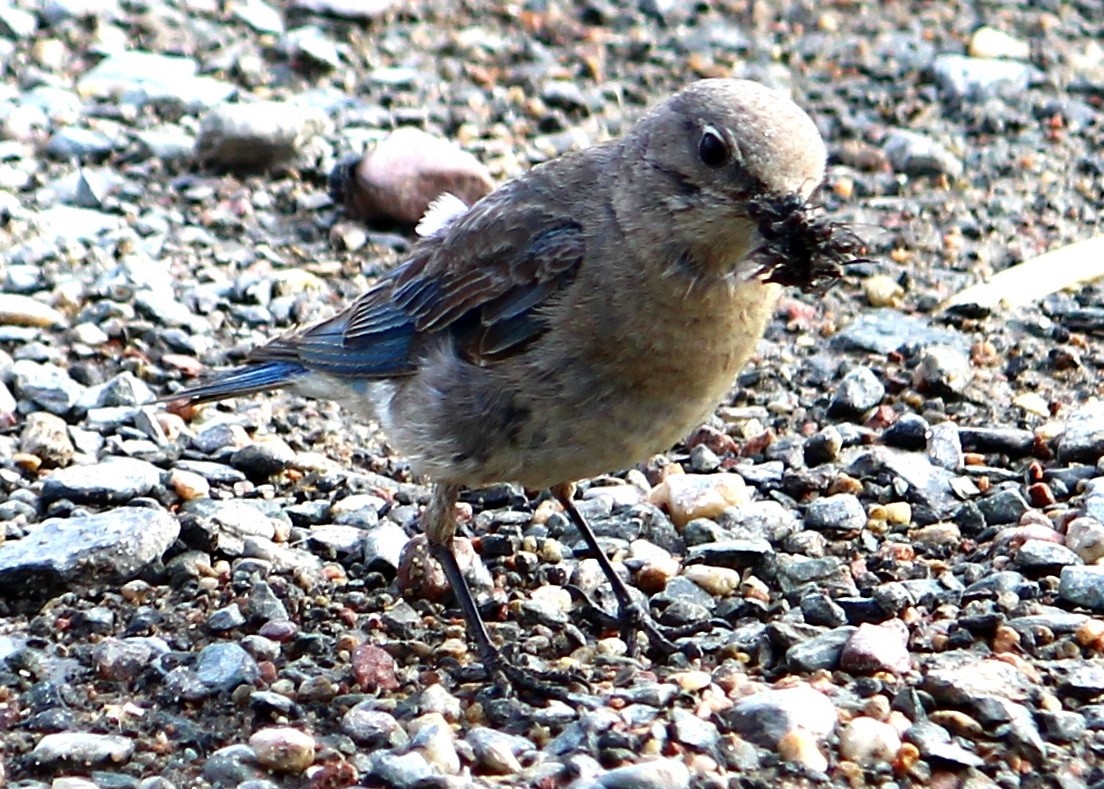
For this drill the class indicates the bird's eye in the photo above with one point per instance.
(712, 149)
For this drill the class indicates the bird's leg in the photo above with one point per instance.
(632, 614)
(440, 528)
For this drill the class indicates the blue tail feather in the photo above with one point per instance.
(248, 379)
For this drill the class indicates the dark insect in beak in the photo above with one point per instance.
(800, 248)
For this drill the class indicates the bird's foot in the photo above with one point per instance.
(513, 679)
(634, 617)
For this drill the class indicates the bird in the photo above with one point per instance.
(578, 319)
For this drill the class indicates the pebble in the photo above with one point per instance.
(869, 742)
(988, 42)
(820, 652)
(1085, 537)
(363, 10)
(961, 678)
(767, 716)
(75, 551)
(858, 392)
(1044, 555)
(883, 291)
(259, 15)
(404, 174)
(654, 774)
(224, 666)
(310, 44)
(82, 749)
(717, 581)
(975, 79)
(943, 370)
(1003, 506)
(46, 385)
(431, 736)
(873, 648)
(188, 485)
(799, 746)
(935, 743)
(373, 728)
(945, 447)
(842, 512)
(46, 436)
(138, 77)
(17, 310)
(262, 459)
(283, 749)
(1083, 586)
(497, 752)
(374, 668)
(690, 496)
(115, 480)
(16, 22)
(258, 135)
(1082, 441)
(400, 771)
(916, 154)
(883, 331)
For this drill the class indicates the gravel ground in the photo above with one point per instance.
(899, 513)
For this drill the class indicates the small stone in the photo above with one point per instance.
(909, 432)
(1083, 586)
(842, 512)
(1003, 506)
(1085, 537)
(885, 330)
(1039, 555)
(916, 154)
(976, 79)
(114, 544)
(943, 370)
(82, 749)
(868, 742)
(259, 15)
(115, 480)
(283, 749)
(961, 678)
(16, 310)
(258, 135)
(404, 772)
(655, 774)
(373, 728)
(824, 446)
(799, 746)
(988, 42)
(766, 717)
(690, 496)
(820, 652)
(404, 174)
(137, 77)
(364, 10)
(497, 752)
(311, 45)
(718, 581)
(225, 666)
(431, 736)
(1083, 438)
(374, 668)
(46, 436)
(188, 485)
(47, 385)
(874, 648)
(883, 291)
(264, 458)
(859, 391)
(945, 446)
